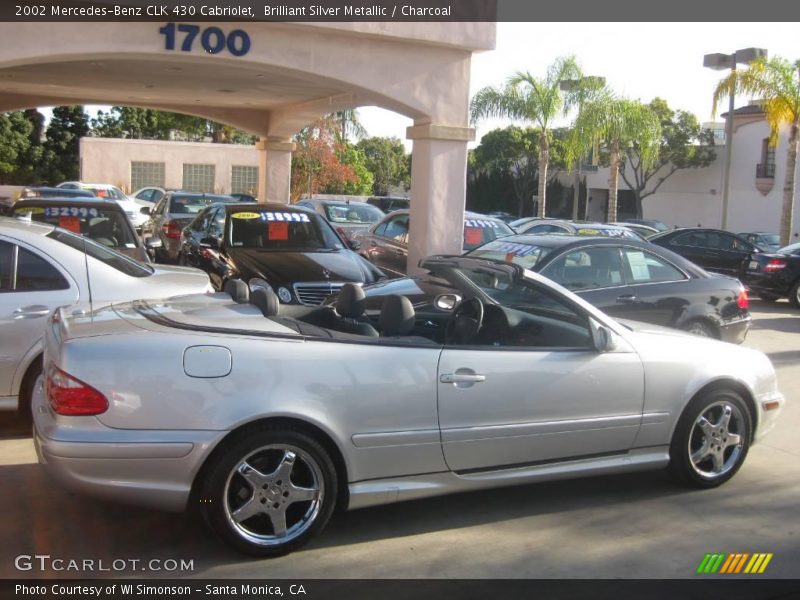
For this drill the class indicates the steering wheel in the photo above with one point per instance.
(465, 323)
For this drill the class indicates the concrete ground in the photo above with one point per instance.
(632, 526)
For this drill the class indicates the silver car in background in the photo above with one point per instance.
(267, 417)
(43, 267)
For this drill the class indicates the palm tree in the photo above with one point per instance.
(535, 100)
(776, 82)
(617, 124)
(348, 121)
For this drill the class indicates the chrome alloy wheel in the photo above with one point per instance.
(716, 441)
(274, 494)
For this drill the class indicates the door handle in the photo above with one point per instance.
(627, 299)
(462, 378)
(32, 311)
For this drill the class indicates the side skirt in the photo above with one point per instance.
(386, 491)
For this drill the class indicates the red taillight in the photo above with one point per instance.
(742, 301)
(776, 264)
(72, 397)
(172, 230)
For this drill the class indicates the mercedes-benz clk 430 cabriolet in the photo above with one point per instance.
(269, 416)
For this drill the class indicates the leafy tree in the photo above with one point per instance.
(776, 82)
(617, 124)
(60, 160)
(354, 158)
(386, 159)
(316, 164)
(15, 142)
(684, 145)
(535, 100)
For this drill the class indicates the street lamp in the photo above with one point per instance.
(582, 87)
(720, 62)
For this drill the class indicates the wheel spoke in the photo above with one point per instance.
(725, 417)
(250, 508)
(253, 476)
(284, 470)
(278, 518)
(733, 440)
(301, 494)
(705, 426)
(701, 453)
(718, 461)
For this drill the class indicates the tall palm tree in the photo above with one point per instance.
(349, 122)
(617, 124)
(535, 100)
(776, 82)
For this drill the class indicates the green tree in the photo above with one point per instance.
(616, 124)
(15, 143)
(361, 184)
(61, 156)
(534, 100)
(386, 160)
(776, 83)
(684, 145)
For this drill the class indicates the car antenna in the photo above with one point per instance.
(88, 279)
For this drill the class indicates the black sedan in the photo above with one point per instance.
(385, 244)
(774, 276)
(627, 279)
(291, 249)
(713, 249)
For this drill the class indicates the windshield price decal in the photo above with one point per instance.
(480, 223)
(517, 249)
(285, 216)
(70, 211)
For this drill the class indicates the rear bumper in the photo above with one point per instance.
(775, 284)
(154, 469)
(735, 330)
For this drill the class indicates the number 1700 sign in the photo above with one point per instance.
(212, 39)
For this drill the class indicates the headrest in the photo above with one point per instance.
(397, 316)
(238, 290)
(266, 300)
(350, 302)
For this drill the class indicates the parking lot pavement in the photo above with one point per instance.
(631, 526)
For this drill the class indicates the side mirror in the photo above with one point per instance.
(210, 242)
(354, 245)
(145, 210)
(446, 302)
(603, 338)
(153, 243)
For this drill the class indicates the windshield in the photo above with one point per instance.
(281, 231)
(107, 227)
(525, 255)
(770, 239)
(355, 214)
(107, 256)
(191, 205)
(480, 231)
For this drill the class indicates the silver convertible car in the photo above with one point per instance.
(269, 416)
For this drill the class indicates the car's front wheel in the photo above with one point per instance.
(711, 439)
(270, 492)
(794, 294)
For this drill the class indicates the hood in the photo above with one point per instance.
(289, 267)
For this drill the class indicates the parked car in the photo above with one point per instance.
(654, 223)
(149, 194)
(713, 249)
(518, 223)
(775, 275)
(270, 423)
(103, 221)
(385, 244)
(645, 231)
(43, 267)
(166, 220)
(244, 197)
(548, 226)
(389, 203)
(290, 249)
(131, 207)
(635, 280)
(768, 242)
(348, 217)
(54, 192)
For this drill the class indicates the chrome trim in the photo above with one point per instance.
(312, 293)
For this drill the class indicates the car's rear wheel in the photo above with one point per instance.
(700, 329)
(270, 492)
(794, 294)
(711, 439)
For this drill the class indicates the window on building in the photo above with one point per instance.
(198, 178)
(767, 166)
(244, 180)
(145, 174)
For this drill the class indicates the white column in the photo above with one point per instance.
(438, 191)
(274, 169)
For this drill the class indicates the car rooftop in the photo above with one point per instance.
(12, 225)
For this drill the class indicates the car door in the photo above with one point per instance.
(213, 260)
(31, 286)
(388, 249)
(502, 407)
(699, 248)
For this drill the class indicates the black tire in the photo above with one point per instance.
(794, 294)
(694, 445)
(258, 476)
(701, 328)
(26, 389)
(768, 297)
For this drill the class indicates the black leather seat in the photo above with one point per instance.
(237, 290)
(350, 312)
(397, 320)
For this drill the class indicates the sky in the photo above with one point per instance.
(639, 60)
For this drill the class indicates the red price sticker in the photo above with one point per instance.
(278, 231)
(72, 224)
(473, 236)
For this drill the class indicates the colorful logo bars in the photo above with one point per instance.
(732, 564)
